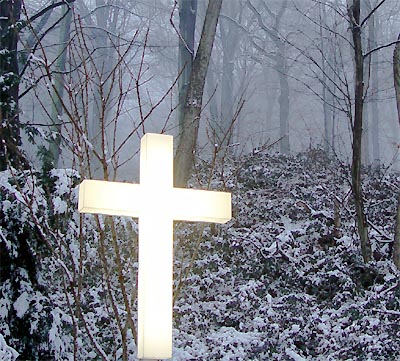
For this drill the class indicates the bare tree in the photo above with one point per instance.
(184, 158)
(229, 40)
(187, 27)
(329, 71)
(54, 148)
(101, 25)
(396, 73)
(279, 58)
(373, 31)
(351, 102)
(354, 10)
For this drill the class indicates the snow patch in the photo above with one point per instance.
(295, 356)
(7, 353)
(21, 305)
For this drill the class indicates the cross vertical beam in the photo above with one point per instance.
(155, 249)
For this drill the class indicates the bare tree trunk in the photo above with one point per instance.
(57, 96)
(365, 158)
(366, 136)
(362, 225)
(184, 158)
(374, 86)
(280, 66)
(284, 103)
(325, 91)
(271, 94)
(396, 73)
(187, 27)
(282, 69)
(211, 85)
(396, 241)
(229, 38)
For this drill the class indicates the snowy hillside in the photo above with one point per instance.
(284, 280)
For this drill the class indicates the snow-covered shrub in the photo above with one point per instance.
(57, 302)
(7, 353)
(24, 301)
(285, 279)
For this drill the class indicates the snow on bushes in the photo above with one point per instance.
(284, 278)
(288, 274)
(7, 353)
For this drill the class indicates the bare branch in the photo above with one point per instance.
(44, 11)
(371, 13)
(368, 53)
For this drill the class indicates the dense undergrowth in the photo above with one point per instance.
(283, 280)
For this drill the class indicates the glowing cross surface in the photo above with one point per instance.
(157, 204)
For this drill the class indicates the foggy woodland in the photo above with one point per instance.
(293, 106)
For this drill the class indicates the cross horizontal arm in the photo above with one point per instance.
(201, 206)
(111, 198)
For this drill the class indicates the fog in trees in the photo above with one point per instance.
(289, 63)
(291, 105)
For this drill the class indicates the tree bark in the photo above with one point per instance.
(396, 73)
(361, 219)
(184, 158)
(10, 139)
(187, 27)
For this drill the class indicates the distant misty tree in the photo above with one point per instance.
(226, 81)
(103, 27)
(229, 32)
(373, 69)
(270, 24)
(54, 146)
(88, 81)
(325, 58)
(328, 72)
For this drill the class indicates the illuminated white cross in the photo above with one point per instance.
(157, 204)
